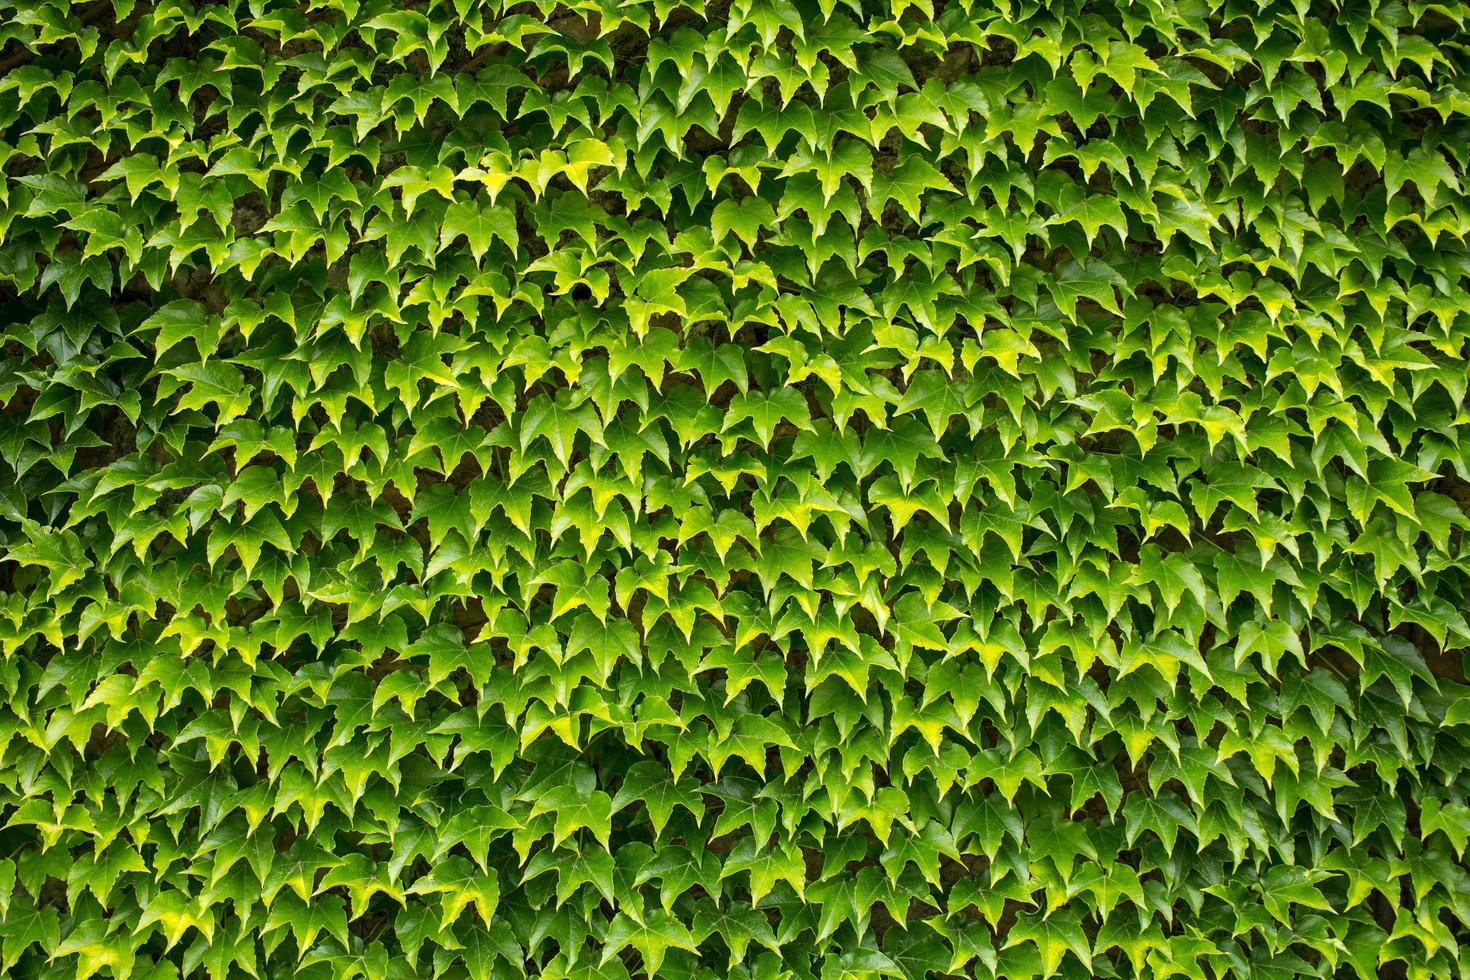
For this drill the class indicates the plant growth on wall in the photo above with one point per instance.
(757, 489)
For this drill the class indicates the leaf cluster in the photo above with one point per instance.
(766, 489)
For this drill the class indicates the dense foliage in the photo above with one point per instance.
(780, 488)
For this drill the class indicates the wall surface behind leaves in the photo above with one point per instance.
(761, 489)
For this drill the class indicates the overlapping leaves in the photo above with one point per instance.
(767, 489)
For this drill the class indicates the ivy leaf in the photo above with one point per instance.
(652, 938)
(480, 226)
(559, 424)
(766, 866)
(460, 885)
(766, 411)
(658, 790)
(26, 925)
(747, 218)
(906, 184)
(575, 811)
